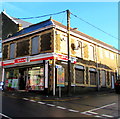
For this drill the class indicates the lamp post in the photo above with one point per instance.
(68, 48)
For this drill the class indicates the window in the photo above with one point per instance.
(63, 43)
(79, 49)
(111, 55)
(107, 53)
(91, 52)
(46, 42)
(5, 51)
(35, 45)
(79, 76)
(12, 50)
(22, 48)
(101, 53)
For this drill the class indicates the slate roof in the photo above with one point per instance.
(34, 27)
(17, 21)
(24, 23)
(50, 22)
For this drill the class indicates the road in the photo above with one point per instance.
(104, 105)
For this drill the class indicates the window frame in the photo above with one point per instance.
(39, 42)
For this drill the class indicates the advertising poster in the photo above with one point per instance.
(36, 79)
(60, 77)
(15, 83)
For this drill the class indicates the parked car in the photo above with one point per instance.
(117, 86)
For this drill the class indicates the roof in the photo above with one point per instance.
(52, 23)
(18, 21)
(34, 27)
(24, 23)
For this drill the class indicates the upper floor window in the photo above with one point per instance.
(107, 53)
(111, 55)
(35, 45)
(5, 51)
(12, 50)
(63, 43)
(22, 48)
(46, 42)
(91, 52)
(79, 49)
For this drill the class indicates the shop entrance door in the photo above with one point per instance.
(22, 78)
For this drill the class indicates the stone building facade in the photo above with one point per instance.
(35, 58)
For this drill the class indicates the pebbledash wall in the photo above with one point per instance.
(35, 58)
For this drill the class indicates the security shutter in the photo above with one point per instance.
(79, 76)
(92, 78)
(103, 76)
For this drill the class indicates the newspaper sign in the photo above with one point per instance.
(60, 77)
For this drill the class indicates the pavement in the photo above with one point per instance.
(38, 96)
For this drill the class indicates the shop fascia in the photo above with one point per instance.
(30, 59)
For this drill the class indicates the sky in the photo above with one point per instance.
(103, 15)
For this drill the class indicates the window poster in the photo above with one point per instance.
(36, 79)
(14, 83)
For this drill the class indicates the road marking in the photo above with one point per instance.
(85, 113)
(41, 103)
(32, 100)
(92, 112)
(97, 116)
(5, 116)
(60, 107)
(73, 110)
(100, 107)
(25, 99)
(50, 105)
(107, 115)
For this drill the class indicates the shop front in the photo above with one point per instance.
(25, 78)
(27, 73)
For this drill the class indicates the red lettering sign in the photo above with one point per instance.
(22, 60)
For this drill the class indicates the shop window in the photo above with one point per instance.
(46, 42)
(12, 79)
(79, 76)
(12, 50)
(22, 48)
(35, 78)
(35, 45)
(5, 52)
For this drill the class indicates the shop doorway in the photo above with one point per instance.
(22, 78)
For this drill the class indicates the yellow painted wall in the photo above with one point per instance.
(101, 55)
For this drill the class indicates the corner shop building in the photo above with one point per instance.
(35, 58)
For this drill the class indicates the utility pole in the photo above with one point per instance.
(68, 48)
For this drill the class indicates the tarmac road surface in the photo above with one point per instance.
(104, 105)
